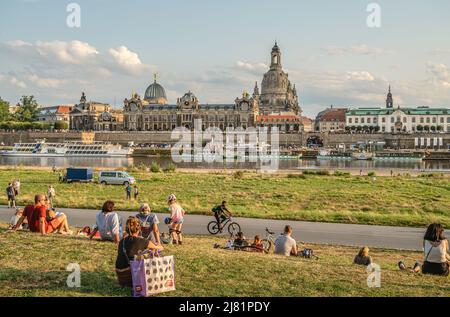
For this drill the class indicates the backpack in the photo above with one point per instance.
(308, 254)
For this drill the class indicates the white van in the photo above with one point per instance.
(115, 178)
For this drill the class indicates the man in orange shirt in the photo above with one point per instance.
(48, 223)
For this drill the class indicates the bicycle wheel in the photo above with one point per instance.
(234, 228)
(267, 245)
(213, 227)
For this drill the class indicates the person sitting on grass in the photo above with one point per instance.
(240, 240)
(45, 221)
(257, 244)
(436, 251)
(15, 219)
(285, 244)
(108, 223)
(149, 224)
(128, 247)
(363, 257)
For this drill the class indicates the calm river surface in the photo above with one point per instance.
(283, 164)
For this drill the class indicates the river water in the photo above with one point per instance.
(284, 164)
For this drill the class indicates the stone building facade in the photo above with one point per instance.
(399, 120)
(278, 97)
(95, 116)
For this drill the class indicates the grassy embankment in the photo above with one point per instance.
(31, 265)
(399, 201)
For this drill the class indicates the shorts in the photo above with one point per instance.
(11, 198)
(179, 221)
(54, 224)
(435, 268)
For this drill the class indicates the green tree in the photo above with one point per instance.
(4, 110)
(27, 109)
(61, 125)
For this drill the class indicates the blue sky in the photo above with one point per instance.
(218, 49)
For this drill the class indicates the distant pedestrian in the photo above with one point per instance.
(360, 172)
(11, 196)
(136, 192)
(51, 193)
(128, 190)
(16, 186)
(392, 173)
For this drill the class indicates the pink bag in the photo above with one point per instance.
(153, 275)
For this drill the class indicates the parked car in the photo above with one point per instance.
(78, 175)
(115, 178)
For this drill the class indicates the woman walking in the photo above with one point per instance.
(177, 217)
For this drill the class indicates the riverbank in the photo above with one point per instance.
(198, 266)
(337, 197)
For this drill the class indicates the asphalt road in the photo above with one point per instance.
(312, 232)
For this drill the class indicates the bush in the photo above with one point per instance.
(339, 173)
(61, 125)
(319, 172)
(170, 168)
(155, 168)
(371, 174)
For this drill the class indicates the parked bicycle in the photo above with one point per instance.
(268, 240)
(215, 228)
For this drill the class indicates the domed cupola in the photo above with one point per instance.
(155, 94)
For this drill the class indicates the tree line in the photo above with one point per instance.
(25, 116)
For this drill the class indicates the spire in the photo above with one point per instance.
(389, 99)
(256, 89)
(154, 77)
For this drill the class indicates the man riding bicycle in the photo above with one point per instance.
(221, 213)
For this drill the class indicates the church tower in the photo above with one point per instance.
(389, 100)
(276, 57)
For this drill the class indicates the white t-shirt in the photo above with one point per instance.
(176, 212)
(284, 245)
(109, 224)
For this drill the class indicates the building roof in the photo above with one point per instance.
(333, 115)
(306, 120)
(389, 111)
(64, 109)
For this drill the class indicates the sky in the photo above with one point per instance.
(219, 49)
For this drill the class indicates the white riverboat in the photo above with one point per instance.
(67, 149)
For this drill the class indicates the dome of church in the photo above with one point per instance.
(155, 94)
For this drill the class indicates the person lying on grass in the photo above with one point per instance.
(108, 223)
(130, 246)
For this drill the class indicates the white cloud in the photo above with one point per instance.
(18, 43)
(439, 73)
(127, 60)
(74, 52)
(360, 76)
(252, 67)
(45, 82)
(18, 83)
(362, 49)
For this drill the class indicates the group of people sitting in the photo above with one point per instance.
(41, 217)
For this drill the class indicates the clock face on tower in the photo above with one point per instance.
(244, 106)
(186, 103)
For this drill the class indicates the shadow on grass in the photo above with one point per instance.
(54, 283)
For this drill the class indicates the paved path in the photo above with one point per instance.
(313, 232)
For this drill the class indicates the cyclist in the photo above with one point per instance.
(221, 213)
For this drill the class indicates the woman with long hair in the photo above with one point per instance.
(130, 246)
(436, 253)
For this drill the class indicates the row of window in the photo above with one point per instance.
(398, 119)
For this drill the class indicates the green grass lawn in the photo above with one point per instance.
(32, 265)
(402, 201)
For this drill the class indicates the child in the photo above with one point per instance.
(257, 244)
(15, 219)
